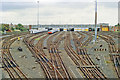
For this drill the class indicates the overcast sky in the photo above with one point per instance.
(58, 11)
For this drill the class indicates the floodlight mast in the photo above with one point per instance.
(95, 20)
(38, 14)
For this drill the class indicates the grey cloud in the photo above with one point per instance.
(73, 4)
(76, 5)
(8, 6)
(108, 4)
(46, 13)
(80, 12)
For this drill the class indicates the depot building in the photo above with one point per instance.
(72, 27)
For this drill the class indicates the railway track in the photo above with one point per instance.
(83, 53)
(82, 59)
(54, 67)
(114, 35)
(111, 43)
(55, 57)
(90, 38)
(47, 65)
(38, 54)
(81, 50)
(114, 53)
(8, 63)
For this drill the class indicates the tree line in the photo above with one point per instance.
(7, 27)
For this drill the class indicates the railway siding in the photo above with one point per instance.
(67, 55)
(82, 58)
(68, 62)
(104, 63)
(29, 67)
(8, 63)
(113, 50)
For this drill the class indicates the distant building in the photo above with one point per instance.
(76, 26)
(70, 25)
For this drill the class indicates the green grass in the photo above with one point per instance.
(37, 39)
(1, 32)
(116, 31)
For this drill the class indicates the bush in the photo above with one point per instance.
(17, 28)
(12, 28)
(23, 29)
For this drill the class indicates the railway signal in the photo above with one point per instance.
(19, 48)
(18, 38)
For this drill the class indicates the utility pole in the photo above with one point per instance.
(95, 20)
(38, 14)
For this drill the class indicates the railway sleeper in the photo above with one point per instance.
(14, 65)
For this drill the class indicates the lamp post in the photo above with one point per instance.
(38, 14)
(95, 20)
